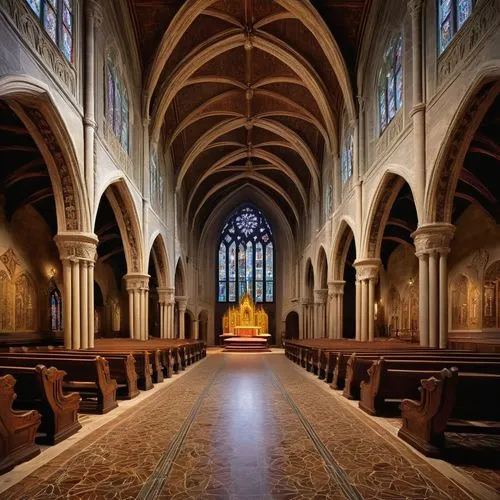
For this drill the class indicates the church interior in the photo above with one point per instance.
(266, 249)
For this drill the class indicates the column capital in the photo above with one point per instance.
(367, 269)
(415, 7)
(335, 288)
(181, 302)
(304, 301)
(77, 246)
(137, 281)
(94, 10)
(321, 295)
(432, 238)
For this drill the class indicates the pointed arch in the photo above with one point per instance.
(387, 191)
(322, 268)
(342, 241)
(122, 204)
(158, 252)
(33, 103)
(180, 282)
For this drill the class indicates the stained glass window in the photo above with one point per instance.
(246, 257)
(347, 158)
(452, 16)
(390, 90)
(55, 308)
(117, 110)
(56, 16)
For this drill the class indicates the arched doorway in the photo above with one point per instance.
(308, 305)
(292, 325)
(189, 324)
(321, 294)
(203, 325)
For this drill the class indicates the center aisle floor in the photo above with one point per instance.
(239, 426)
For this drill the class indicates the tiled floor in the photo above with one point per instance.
(239, 426)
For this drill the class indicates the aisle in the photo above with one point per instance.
(238, 426)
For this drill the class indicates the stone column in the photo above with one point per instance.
(337, 288)
(417, 113)
(303, 319)
(77, 252)
(170, 301)
(367, 273)
(320, 304)
(432, 242)
(137, 284)
(332, 311)
(196, 329)
(358, 309)
(93, 19)
(181, 306)
(162, 299)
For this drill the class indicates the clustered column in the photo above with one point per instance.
(181, 307)
(138, 300)
(170, 308)
(320, 312)
(366, 279)
(335, 308)
(77, 252)
(432, 244)
(304, 302)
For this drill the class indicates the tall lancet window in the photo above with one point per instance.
(246, 257)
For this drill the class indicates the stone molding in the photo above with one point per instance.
(28, 27)
(483, 18)
(415, 7)
(433, 238)
(94, 10)
(304, 301)
(181, 303)
(321, 295)
(77, 246)
(390, 134)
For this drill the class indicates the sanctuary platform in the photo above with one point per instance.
(245, 327)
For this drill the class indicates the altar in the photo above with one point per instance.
(245, 327)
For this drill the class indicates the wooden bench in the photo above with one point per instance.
(17, 428)
(41, 389)
(359, 363)
(451, 401)
(391, 379)
(89, 376)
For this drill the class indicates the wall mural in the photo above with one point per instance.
(18, 298)
(491, 316)
(402, 309)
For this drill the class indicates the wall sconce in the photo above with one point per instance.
(376, 310)
(51, 272)
(411, 281)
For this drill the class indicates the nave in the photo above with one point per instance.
(239, 426)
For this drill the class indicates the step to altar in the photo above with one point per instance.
(247, 344)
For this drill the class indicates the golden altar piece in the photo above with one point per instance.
(245, 326)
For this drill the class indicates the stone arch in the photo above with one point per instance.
(444, 178)
(322, 268)
(180, 278)
(342, 242)
(33, 103)
(124, 209)
(292, 325)
(309, 279)
(203, 325)
(378, 214)
(158, 252)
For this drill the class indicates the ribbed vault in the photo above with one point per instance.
(247, 92)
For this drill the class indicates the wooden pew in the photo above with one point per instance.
(121, 366)
(17, 428)
(359, 363)
(89, 376)
(392, 379)
(41, 389)
(451, 401)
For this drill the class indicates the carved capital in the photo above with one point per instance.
(367, 269)
(181, 303)
(433, 238)
(415, 7)
(93, 10)
(321, 295)
(77, 246)
(335, 288)
(136, 281)
(304, 301)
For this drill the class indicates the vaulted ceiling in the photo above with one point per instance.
(248, 92)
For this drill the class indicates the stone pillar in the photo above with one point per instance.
(367, 274)
(432, 242)
(137, 284)
(170, 301)
(196, 329)
(358, 309)
(93, 19)
(332, 311)
(181, 306)
(417, 113)
(162, 299)
(77, 252)
(320, 304)
(303, 322)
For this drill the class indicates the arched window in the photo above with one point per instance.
(55, 308)
(56, 17)
(347, 158)
(452, 16)
(246, 257)
(390, 89)
(117, 112)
